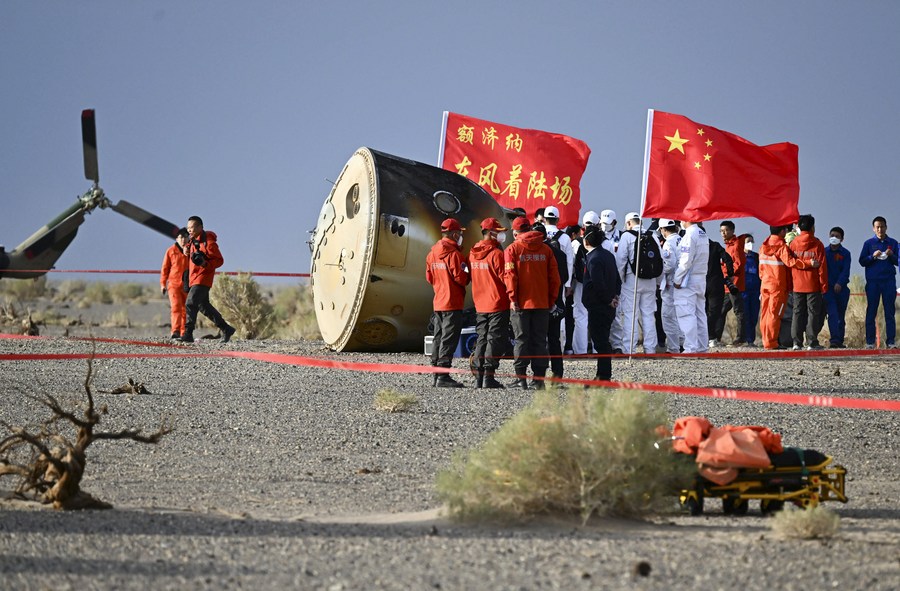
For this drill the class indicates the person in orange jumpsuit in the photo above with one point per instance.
(491, 302)
(809, 286)
(775, 258)
(202, 250)
(532, 282)
(172, 280)
(447, 272)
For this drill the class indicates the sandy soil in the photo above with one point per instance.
(285, 476)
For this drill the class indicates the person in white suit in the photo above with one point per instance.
(690, 288)
(638, 297)
(668, 229)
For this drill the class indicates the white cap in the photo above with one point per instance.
(632, 215)
(590, 217)
(551, 212)
(666, 223)
(607, 216)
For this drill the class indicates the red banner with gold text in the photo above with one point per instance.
(518, 167)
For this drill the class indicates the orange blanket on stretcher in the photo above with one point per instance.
(721, 451)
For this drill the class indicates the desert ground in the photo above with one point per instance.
(286, 476)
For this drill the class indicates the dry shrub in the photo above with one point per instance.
(97, 293)
(124, 293)
(296, 313)
(590, 454)
(117, 319)
(49, 460)
(24, 290)
(69, 290)
(805, 524)
(393, 401)
(243, 305)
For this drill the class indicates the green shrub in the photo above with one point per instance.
(589, 454)
(242, 305)
(805, 524)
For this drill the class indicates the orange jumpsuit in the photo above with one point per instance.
(775, 258)
(171, 277)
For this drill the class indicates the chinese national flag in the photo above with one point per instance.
(695, 172)
(523, 168)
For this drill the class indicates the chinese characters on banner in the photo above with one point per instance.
(696, 172)
(518, 167)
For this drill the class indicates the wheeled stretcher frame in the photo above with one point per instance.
(804, 485)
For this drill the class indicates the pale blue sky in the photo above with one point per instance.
(238, 111)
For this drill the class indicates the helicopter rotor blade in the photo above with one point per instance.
(89, 140)
(142, 216)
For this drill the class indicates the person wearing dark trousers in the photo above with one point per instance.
(204, 257)
(554, 328)
(720, 266)
(837, 297)
(734, 299)
(809, 285)
(879, 257)
(491, 303)
(602, 285)
(751, 293)
(532, 283)
(446, 271)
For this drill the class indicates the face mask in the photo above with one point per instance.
(501, 237)
(459, 240)
(606, 227)
(748, 246)
(834, 240)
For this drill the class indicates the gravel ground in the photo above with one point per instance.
(282, 476)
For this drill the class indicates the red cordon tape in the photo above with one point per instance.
(722, 393)
(155, 272)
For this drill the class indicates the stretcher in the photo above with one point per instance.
(803, 477)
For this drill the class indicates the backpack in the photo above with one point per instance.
(647, 249)
(561, 262)
(580, 255)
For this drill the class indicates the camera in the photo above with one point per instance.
(557, 312)
(732, 288)
(198, 258)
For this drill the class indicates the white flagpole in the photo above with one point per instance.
(637, 243)
(440, 162)
(646, 161)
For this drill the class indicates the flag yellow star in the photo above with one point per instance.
(707, 157)
(676, 142)
(697, 165)
(700, 132)
(709, 143)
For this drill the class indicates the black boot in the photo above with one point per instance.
(519, 383)
(489, 381)
(227, 331)
(538, 382)
(187, 336)
(445, 381)
(479, 379)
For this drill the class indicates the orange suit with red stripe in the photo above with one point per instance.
(775, 262)
(171, 277)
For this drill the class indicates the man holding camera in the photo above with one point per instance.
(204, 258)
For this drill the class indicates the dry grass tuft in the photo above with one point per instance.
(393, 401)
(805, 524)
(589, 454)
(296, 313)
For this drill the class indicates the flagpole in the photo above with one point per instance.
(440, 161)
(646, 160)
(637, 266)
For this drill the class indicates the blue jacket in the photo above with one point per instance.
(879, 269)
(838, 266)
(752, 282)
